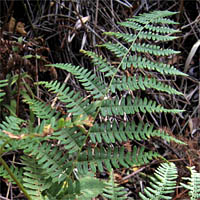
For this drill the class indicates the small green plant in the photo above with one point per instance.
(89, 135)
(163, 183)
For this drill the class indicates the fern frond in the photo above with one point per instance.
(156, 15)
(102, 64)
(162, 183)
(90, 81)
(152, 49)
(15, 170)
(115, 107)
(3, 83)
(193, 185)
(144, 63)
(113, 191)
(118, 49)
(71, 138)
(97, 158)
(40, 109)
(74, 102)
(128, 37)
(124, 132)
(33, 178)
(51, 160)
(138, 82)
(11, 124)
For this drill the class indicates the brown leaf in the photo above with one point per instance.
(20, 28)
(11, 135)
(194, 125)
(11, 24)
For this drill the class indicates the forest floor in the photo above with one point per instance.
(53, 31)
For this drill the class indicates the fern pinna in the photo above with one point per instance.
(89, 135)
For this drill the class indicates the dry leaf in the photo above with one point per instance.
(88, 121)
(83, 20)
(20, 29)
(77, 26)
(47, 130)
(11, 135)
(11, 24)
(194, 125)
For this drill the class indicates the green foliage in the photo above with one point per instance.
(59, 147)
(90, 187)
(193, 184)
(3, 83)
(113, 191)
(162, 183)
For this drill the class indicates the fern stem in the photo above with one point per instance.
(2, 147)
(14, 178)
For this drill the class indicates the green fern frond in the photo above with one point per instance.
(167, 137)
(152, 28)
(139, 82)
(97, 158)
(33, 178)
(144, 63)
(128, 37)
(124, 132)
(155, 15)
(118, 49)
(102, 64)
(162, 183)
(71, 138)
(74, 102)
(90, 81)
(40, 109)
(113, 191)
(152, 49)
(126, 105)
(11, 124)
(51, 160)
(193, 185)
(3, 83)
(15, 170)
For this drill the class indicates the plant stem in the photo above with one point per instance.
(14, 178)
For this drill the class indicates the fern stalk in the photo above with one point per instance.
(14, 178)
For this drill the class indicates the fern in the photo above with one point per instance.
(74, 102)
(15, 170)
(51, 160)
(3, 83)
(193, 185)
(162, 183)
(113, 191)
(100, 157)
(40, 109)
(111, 133)
(33, 178)
(87, 79)
(71, 138)
(138, 82)
(110, 107)
(88, 136)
